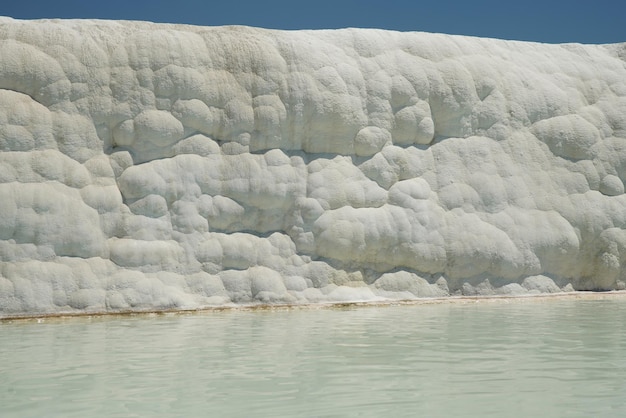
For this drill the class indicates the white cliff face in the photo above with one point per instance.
(147, 166)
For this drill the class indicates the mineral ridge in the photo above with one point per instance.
(149, 166)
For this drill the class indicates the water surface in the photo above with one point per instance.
(564, 358)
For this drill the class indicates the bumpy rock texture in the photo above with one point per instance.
(148, 166)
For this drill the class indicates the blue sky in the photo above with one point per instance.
(591, 21)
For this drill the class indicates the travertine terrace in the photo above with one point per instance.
(149, 166)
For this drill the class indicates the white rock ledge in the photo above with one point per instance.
(148, 167)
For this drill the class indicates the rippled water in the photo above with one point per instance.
(564, 358)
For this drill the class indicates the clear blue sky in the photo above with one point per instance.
(591, 21)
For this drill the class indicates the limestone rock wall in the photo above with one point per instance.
(147, 166)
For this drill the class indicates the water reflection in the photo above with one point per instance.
(556, 358)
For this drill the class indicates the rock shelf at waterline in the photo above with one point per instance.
(160, 167)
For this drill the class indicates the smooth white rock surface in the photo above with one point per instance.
(148, 166)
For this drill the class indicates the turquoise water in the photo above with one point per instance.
(558, 358)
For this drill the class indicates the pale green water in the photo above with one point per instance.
(563, 358)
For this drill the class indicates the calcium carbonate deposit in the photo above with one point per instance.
(148, 166)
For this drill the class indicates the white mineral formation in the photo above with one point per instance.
(148, 167)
